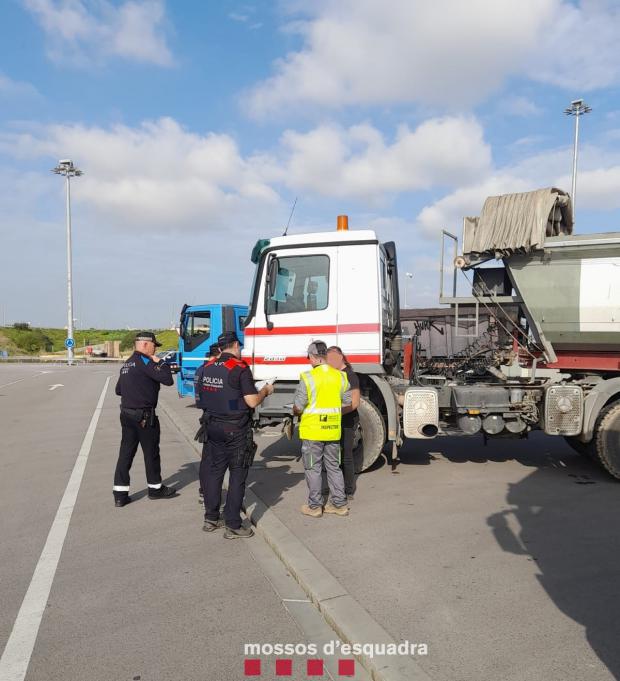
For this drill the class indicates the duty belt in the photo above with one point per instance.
(145, 416)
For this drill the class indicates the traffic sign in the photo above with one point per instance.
(69, 343)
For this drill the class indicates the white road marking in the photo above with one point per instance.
(19, 380)
(18, 651)
(56, 385)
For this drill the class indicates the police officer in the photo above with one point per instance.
(199, 388)
(319, 398)
(228, 397)
(138, 387)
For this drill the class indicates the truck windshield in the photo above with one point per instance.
(301, 284)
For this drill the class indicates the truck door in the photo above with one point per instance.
(201, 327)
(295, 303)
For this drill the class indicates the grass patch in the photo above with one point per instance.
(37, 340)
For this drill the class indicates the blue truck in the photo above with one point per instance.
(200, 325)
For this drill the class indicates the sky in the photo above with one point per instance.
(198, 123)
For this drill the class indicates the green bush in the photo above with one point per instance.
(32, 340)
(128, 340)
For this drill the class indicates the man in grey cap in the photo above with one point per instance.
(319, 398)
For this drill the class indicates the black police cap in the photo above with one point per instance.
(225, 340)
(147, 336)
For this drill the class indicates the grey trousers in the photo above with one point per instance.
(314, 453)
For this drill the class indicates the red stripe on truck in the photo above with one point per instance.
(354, 359)
(313, 330)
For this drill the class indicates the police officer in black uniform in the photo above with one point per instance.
(199, 388)
(138, 387)
(228, 397)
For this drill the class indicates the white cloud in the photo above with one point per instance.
(597, 189)
(597, 186)
(447, 53)
(517, 105)
(162, 175)
(442, 53)
(579, 51)
(358, 162)
(15, 89)
(157, 175)
(83, 32)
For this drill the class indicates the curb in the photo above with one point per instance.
(343, 613)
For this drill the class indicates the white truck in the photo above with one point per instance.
(539, 334)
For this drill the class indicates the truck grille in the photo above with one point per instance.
(563, 410)
(420, 410)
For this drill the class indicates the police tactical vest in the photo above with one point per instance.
(320, 420)
(217, 396)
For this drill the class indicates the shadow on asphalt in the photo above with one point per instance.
(271, 483)
(186, 475)
(532, 451)
(572, 536)
(565, 514)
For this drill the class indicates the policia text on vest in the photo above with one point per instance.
(138, 386)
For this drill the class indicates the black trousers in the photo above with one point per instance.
(347, 463)
(132, 436)
(222, 453)
(202, 473)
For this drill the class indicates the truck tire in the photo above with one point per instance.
(370, 437)
(607, 438)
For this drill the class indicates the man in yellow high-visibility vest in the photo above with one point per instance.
(320, 398)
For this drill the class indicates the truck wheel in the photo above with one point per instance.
(607, 438)
(370, 437)
(584, 448)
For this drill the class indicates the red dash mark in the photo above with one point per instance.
(314, 667)
(251, 667)
(284, 667)
(346, 667)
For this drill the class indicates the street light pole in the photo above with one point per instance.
(65, 167)
(577, 108)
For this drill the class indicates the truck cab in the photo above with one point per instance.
(339, 287)
(200, 326)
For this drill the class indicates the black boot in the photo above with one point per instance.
(121, 500)
(162, 492)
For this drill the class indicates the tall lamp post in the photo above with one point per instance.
(577, 108)
(65, 167)
(408, 276)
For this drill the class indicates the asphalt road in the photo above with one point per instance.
(503, 559)
(139, 593)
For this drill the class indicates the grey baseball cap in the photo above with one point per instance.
(317, 348)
